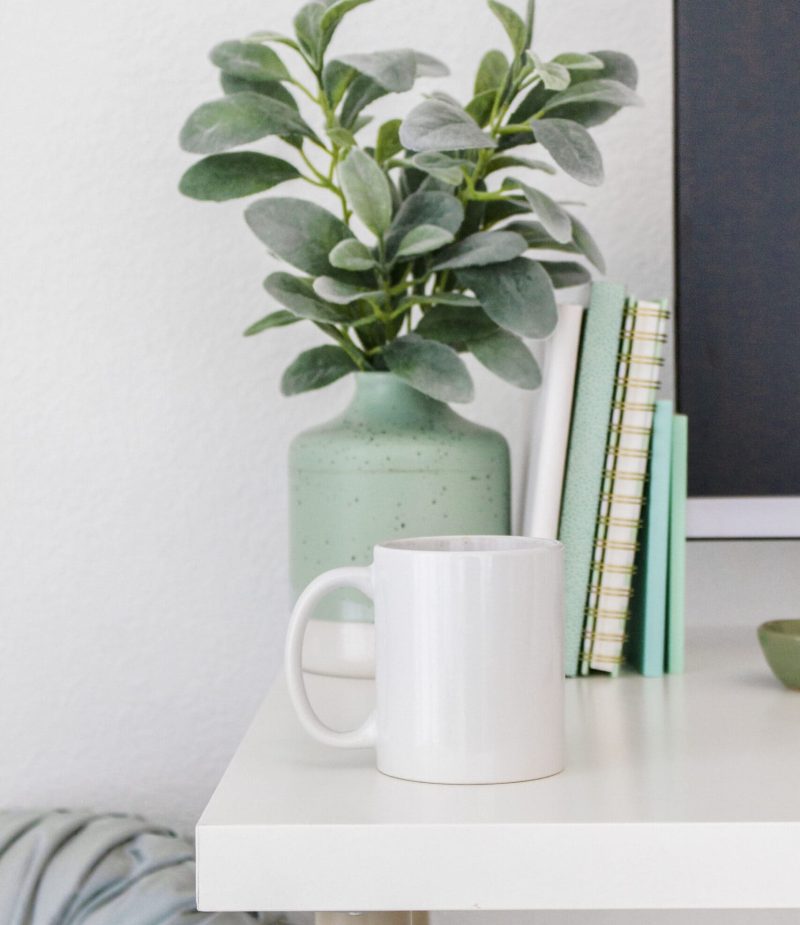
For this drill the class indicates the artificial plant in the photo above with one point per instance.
(426, 257)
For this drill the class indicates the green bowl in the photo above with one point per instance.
(780, 641)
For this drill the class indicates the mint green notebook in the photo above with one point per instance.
(648, 624)
(676, 630)
(597, 369)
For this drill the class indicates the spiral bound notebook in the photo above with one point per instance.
(644, 334)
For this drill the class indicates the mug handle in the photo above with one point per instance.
(359, 578)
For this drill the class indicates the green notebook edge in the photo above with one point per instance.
(648, 626)
(597, 369)
(676, 607)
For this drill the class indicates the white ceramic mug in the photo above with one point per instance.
(468, 663)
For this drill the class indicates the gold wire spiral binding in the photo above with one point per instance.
(616, 544)
(633, 429)
(628, 452)
(611, 569)
(626, 476)
(634, 406)
(598, 612)
(638, 383)
(646, 311)
(606, 637)
(650, 336)
(611, 592)
(633, 522)
(641, 360)
(611, 497)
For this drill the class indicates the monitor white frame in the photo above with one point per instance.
(743, 518)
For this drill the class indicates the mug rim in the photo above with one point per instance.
(494, 544)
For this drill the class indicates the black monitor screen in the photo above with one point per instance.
(738, 243)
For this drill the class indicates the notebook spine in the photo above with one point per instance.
(619, 519)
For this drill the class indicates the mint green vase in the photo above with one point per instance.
(395, 463)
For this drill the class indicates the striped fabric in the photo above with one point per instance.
(74, 868)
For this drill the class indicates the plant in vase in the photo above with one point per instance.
(422, 257)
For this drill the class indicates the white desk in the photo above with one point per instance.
(679, 793)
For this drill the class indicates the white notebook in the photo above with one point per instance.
(550, 433)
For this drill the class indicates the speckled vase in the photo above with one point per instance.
(395, 463)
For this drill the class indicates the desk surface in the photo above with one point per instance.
(681, 792)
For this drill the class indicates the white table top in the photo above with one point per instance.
(682, 792)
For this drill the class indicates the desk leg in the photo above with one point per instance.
(372, 918)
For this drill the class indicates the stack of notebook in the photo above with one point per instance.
(610, 481)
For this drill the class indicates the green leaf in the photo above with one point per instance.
(359, 122)
(480, 249)
(439, 126)
(268, 35)
(530, 12)
(595, 91)
(298, 295)
(382, 72)
(277, 319)
(430, 367)
(299, 232)
(457, 299)
(442, 166)
(388, 143)
(456, 328)
(518, 295)
(504, 161)
(480, 107)
(428, 66)
(339, 293)
(581, 243)
(395, 70)
(499, 210)
(316, 368)
(270, 88)
(536, 236)
(514, 26)
(554, 76)
(351, 255)
(336, 78)
(555, 220)
(616, 66)
(236, 120)
(333, 16)
(308, 29)
(230, 176)
(249, 61)
(361, 92)
(572, 148)
(507, 357)
(566, 273)
(586, 244)
(531, 104)
(424, 208)
(341, 137)
(422, 240)
(367, 190)
(574, 61)
(492, 72)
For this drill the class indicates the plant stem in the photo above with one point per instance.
(344, 341)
